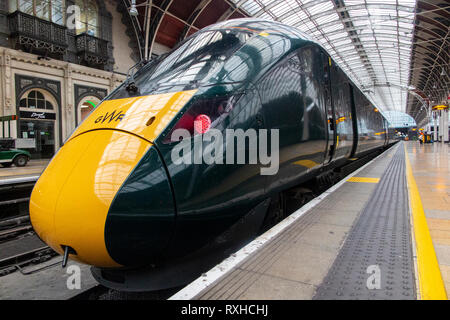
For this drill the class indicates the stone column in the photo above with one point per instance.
(7, 84)
(112, 82)
(7, 90)
(70, 109)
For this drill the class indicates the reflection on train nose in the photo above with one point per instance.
(71, 200)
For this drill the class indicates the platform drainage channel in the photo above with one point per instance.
(376, 261)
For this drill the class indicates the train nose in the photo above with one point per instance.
(88, 177)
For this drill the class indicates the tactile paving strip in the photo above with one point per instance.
(380, 240)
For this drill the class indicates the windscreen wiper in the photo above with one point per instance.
(131, 84)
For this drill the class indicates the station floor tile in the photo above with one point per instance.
(270, 287)
(303, 263)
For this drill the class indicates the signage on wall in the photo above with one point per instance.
(91, 103)
(38, 115)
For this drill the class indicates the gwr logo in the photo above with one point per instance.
(110, 117)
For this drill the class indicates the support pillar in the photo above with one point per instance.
(445, 125)
(436, 120)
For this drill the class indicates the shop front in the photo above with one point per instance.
(37, 123)
(43, 133)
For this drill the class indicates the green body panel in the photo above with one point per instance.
(215, 195)
(141, 218)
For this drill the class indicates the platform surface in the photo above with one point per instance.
(359, 229)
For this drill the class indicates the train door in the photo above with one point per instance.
(292, 104)
(329, 110)
(342, 110)
(354, 120)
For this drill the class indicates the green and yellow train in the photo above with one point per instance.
(113, 197)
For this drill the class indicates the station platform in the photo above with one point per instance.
(383, 232)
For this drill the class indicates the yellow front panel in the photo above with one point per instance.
(133, 114)
(77, 189)
(46, 191)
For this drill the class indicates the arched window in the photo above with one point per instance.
(85, 110)
(50, 10)
(88, 22)
(35, 100)
(85, 107)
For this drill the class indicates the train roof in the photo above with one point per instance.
(261, 25)
(270, 26)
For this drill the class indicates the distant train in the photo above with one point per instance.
(112, 197)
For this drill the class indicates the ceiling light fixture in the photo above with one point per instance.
(133, 9)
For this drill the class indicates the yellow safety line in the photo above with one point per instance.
(306, 163)
(364, 179)
(431, 285)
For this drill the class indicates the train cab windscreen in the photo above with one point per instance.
(192, 63)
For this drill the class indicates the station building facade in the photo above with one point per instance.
(51, 76)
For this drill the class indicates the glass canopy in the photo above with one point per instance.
(370, 39)
(399, 119)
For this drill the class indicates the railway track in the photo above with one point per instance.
(19, 245)
(14, 197)
(20, 251)
(14, 232)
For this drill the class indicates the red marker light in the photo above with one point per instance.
(202, 123)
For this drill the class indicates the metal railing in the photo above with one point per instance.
(92, 49)
(37, 32)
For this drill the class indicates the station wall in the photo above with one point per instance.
(48, 92)
(61, 83)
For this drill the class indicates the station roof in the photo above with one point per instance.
(397, 51)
